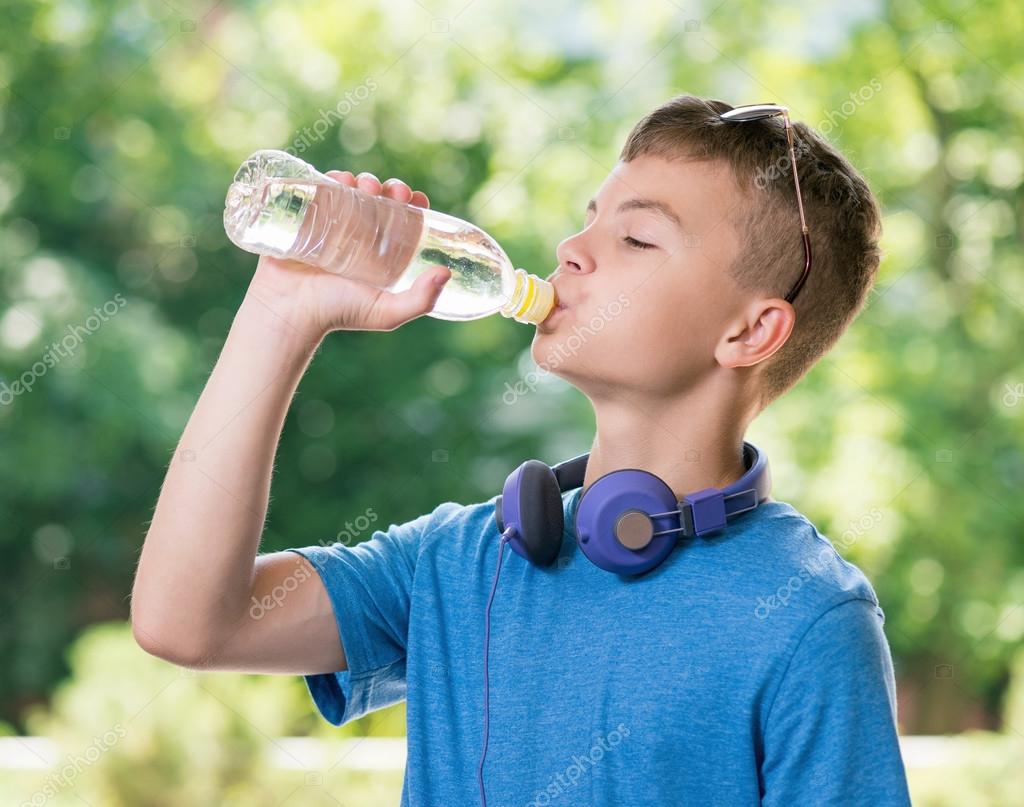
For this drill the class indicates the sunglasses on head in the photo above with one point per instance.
(752, 112)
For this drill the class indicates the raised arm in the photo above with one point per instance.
(192, 601)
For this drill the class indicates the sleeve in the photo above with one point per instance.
(370, 589)
(830, 734)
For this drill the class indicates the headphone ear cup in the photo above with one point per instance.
(606, 501)
(531, 503)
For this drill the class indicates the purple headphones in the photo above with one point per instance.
(628, 520)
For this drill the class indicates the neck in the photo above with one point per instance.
(691, 442)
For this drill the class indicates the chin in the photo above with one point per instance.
(563, 354)
(546, 352)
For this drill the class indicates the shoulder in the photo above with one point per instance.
(454, 527)
(778, 576)
(815, 614)
(792, 565)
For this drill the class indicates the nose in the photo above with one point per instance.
(573, 258)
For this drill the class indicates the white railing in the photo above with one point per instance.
(388, 753)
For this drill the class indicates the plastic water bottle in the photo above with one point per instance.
(279, 205)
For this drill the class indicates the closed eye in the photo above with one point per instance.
(637, 244)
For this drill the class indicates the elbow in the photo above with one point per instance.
(163, 628)
(173, 646)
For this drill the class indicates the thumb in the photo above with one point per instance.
(416, 300)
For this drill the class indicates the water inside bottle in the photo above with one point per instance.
(482, 278)
(378, 241)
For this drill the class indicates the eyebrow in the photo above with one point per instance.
(643, 204)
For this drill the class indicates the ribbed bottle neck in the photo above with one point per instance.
(532, 299)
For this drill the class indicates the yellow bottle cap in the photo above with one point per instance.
(531, 300)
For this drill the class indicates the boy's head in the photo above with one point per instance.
(704, 301)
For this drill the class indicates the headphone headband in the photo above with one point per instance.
(705, 510)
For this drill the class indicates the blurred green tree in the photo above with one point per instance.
(121, 124)
(133, 731)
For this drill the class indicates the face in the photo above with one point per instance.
(646, 293)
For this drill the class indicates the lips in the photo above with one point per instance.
(554, 315)
(561, 304)
(560, 301)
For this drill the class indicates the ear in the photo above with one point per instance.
(756, 334)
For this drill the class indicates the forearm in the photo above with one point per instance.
(197, 565)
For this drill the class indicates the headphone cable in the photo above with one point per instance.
(505, 536)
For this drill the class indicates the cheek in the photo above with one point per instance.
(660, 333)
(655, 330)
(633, 338)
(652, 317)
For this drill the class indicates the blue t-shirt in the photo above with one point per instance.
(748, 668)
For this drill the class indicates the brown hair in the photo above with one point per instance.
(842, 215)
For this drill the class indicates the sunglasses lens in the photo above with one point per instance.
(747, 113)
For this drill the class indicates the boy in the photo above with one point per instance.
(691, 684)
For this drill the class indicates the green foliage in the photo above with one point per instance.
(121, 124)
(984, 772)
(136, 732)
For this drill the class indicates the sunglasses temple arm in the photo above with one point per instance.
(796, 179)
(800, 205)
(807, 269)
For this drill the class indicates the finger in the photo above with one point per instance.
(418, 299)
(368, 182)
(398, 190)
(419, 198)
(344, 177)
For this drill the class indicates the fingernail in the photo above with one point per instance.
(440, 280)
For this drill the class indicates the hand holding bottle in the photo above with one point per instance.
(308, 298)
(384, 237)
